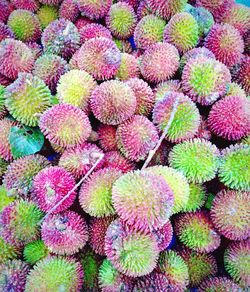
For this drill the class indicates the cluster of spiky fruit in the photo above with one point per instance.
(124, 145)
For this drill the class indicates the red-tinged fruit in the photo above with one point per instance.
(129, 67)
(94, 30)
(114, 159)
(69, 10)
(94, 9)
(5, 127)
(107, 137)
(5, 32)
(218, 284)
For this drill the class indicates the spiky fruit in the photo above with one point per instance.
(196, 231)
(3, 166)
(57, 122)
(166, 9)
(35, 251)
(149, 31)
(97, 231)
(15, 57)
(133, 253)
(238, 16)
(234, 169)
(64, 233)
(75, 87)
(218, 284)
(61, 38)
(95, 194)
(5, 200)
(13, 276)
(5, 127)
(55, 274)
(153, 282)
(197, 159)
(5, 9)
(5, 32)
(94, 30)
(19, 222)
(106, 135)
(50, 68)
(205, 79)
(51, 2)
(136, 137)
(5, 81)
(82, 21)
(235, 89)
(150, 194)
(200, 266)
(51, 185)
(236, 261)
(163, 235)
(36, 49)
(79, 160)
(121, 20)
(174, 268)
(197, 198)
(25, 25)
(124, 46)
(186, 120)
(159, 62)
(144, 96)
(230, 214)
(46, 15)
(243, 74)
(94, 10)
(182, 31)
(113, 102)
(69, 10)
(110, 279)
(226, 43)
(7, 251)
(163, 88)
(114, 159)
(100, 57)
(129, 67)
(18, 178)
(176, 181)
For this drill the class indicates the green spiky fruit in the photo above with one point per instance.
(2, 101)
(3, 167)
(197, 198)
(7, 251)
(47, 14)
(197, 159)
(35, 251)
(5, 200)
(27, 98)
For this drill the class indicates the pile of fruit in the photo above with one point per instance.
(124, 146)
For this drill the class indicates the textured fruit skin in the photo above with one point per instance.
(121, 20)
(136, 137)
(27, 98)
(64, 233)
(113, 102)
(5, 32)
(50, 68)
(5, 10)
(235, 89)
(15, 57)
(18, 178)
(51, 2)
(153, 282)
(182, 31)
(95, 194)
(234, 169)
(205, 79)
(166, 9)
(7, 251)
(110, 279)
(94, 30)
(200, 266)
(46, 15)
(94, 10)
(163, 236)
(13, 275)
(5, 127)
(129, 67)
(97, 231)
(5, 199)
(197, 198)
(69, 10)
(197, 159)
(243, 75)
(176, 181)
(196, 231)
(35, 251)
(114, 159)
(230, 214)
(31, 5)
(67, 273)
(226, 43)
(186, 120)
(61, 38)
(75, 87)
(132, 253)
(236, 261)
(164, 87)
(144, 96)
(159, 62)
(106, 137)
(174, 268)
(230, 117)
(25, 25)
(150, 193)
(218, 284)
(149, 31)
(56, 124)
(19, 222)
(100, 57)
(50, 185)
(80, 159)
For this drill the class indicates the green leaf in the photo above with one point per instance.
(25, 141)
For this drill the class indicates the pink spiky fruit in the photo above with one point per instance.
(94, 30)
(94, 9)
(5, 149)
(107, 137)
(114, 159)
(129, 67)
(69, 10)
